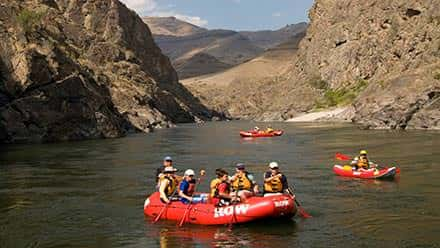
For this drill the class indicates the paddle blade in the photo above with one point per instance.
(303, 213)
(340, 156)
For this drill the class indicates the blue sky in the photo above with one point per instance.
(227, 14)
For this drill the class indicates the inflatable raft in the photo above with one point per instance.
(347, 171)
(254, 208)
(261, 133)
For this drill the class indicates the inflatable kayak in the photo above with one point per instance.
(261, 133)
(347, 171)
(254, 208)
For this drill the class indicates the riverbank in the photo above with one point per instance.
(342, 114)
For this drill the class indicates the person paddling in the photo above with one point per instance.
(243, 182)
(274, 181)
(220, 193)
(167, 184)
(187, 187)
(362, 161)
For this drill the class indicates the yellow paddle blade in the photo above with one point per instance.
(347, 167)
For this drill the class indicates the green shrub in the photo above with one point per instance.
(437, 76)
(29, 19)
(342, 96)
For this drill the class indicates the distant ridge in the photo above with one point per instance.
(181, 41)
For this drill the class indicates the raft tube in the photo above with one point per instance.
(254, 208)
(347, 171)
(260, 133)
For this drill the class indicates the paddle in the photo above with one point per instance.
(234, 217)
(202, 173)
(164, 207)
(302, 212)
(340, 156)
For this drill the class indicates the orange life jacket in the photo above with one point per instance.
(363, 163)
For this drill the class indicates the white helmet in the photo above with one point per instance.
(189, 172)
(273, 165)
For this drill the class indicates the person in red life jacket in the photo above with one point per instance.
(221, 195)
(243, 182)
(187, 187)
(167, 184)
(274, 181)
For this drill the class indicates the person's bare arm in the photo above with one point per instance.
(162, 187)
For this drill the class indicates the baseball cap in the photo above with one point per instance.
(239, 166)
(167, 158)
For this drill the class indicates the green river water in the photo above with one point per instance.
(91, 193)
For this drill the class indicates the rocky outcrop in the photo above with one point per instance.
(84, 69)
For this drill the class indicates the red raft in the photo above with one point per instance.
(261, 133)
(347, 171)
(254, 208)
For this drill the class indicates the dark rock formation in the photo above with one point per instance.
(73, 69)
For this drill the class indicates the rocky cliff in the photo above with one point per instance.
(385, 55)
(72, 69)
(380, 58)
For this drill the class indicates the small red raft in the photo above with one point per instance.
(347, 171)
(254, 208)
(261, 133)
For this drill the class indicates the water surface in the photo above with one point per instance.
(91, 193)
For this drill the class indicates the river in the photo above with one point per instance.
(91, 193)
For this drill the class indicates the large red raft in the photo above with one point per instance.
(261, 133)
(254, 208)
(385, 173)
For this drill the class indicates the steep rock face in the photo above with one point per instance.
(84, 69)
(392, 45)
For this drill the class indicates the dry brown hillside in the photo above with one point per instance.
(237, 91)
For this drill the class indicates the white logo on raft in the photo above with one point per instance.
(228, 211)
(281, 203)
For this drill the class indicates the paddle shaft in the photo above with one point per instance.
(189, 204)
(302, 212)
(164, 207)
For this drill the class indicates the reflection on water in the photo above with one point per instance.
(259, 234)
(90, 194)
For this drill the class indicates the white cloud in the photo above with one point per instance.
(141, 6)
(152, 8)
(276, 14)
